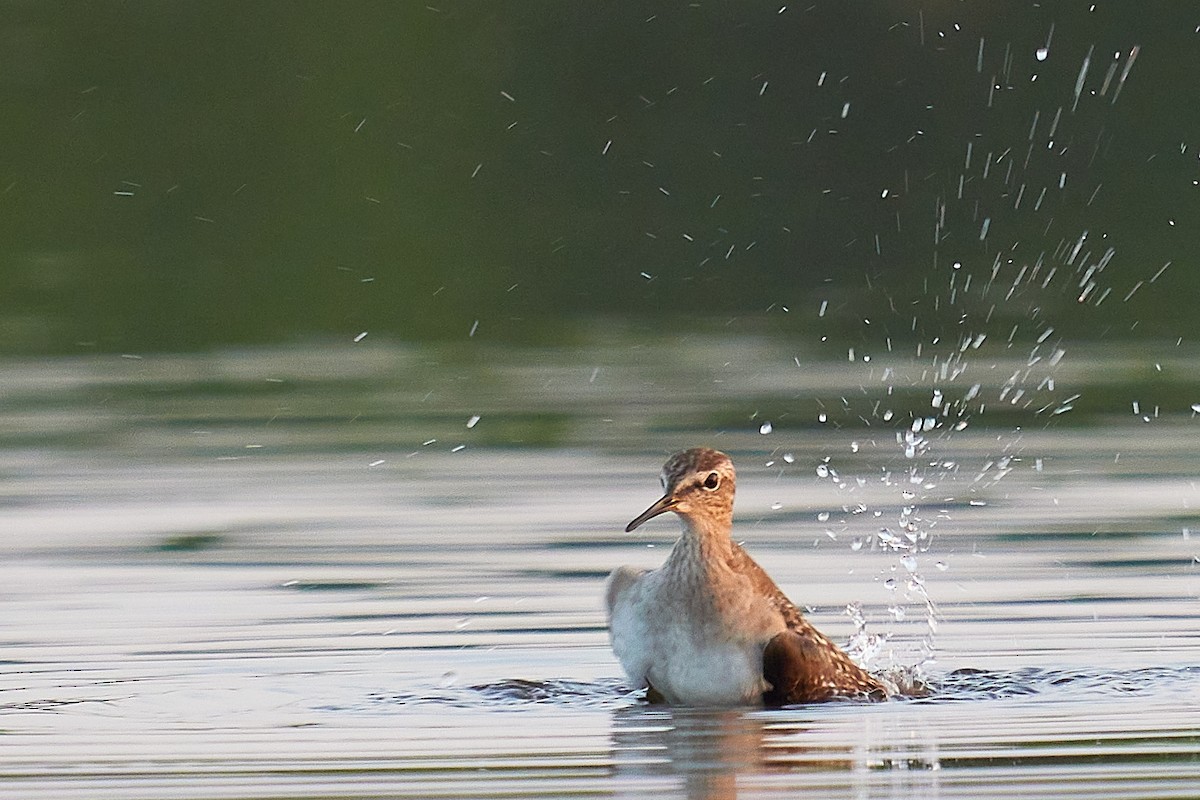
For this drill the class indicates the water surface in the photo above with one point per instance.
(300, 573)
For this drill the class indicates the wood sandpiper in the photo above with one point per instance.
(710, 627)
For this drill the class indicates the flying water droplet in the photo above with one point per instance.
(765, 428)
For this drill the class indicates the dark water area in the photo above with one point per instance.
(239, 576)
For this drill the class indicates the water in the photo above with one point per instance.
(208, 591)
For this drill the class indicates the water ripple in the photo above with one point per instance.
(909, 683)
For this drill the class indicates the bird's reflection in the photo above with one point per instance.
(710, 754)
(705, 750)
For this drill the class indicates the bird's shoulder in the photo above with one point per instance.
(741, 562)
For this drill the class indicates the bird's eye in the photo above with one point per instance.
(712, 481)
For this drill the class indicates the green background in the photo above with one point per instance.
(184, 176)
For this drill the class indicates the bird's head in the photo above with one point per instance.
(699, 485)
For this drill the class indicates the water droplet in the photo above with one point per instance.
(1042, 53)
(854, 447)
(776, 506)
(822, 418)
(824, 517)
(909, 563)
(942, 566)
(789, 458)
(765, 428)
(887, 415)
(822, 471)
(856, 545)
(473, 421)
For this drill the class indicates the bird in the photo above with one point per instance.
(709, 628)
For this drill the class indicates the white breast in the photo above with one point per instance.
(661, 638)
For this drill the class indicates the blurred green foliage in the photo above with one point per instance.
(179, 176)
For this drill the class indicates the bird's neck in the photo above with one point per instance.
(704, 544)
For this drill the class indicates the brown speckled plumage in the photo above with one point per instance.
(711, 609)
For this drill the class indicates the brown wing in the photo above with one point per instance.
(801, 664)
(805, 667)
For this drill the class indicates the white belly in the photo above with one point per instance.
(717, 674)
(690, 661)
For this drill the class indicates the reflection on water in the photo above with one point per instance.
(303, 574)
(706, 749)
